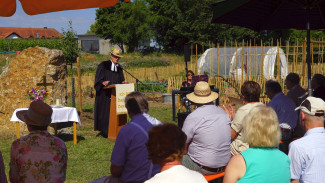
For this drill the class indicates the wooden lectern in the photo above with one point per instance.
(116, 119)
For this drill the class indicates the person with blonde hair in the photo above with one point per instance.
(166, 147)
(263, 161)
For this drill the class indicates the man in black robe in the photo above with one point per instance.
(107, 73)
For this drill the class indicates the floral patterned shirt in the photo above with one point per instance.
(38, 157)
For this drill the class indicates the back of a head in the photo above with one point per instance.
(261, 127)
(136, 103)
(319, 79)
(166, 143)
(251, 91)
(293, 78)
(273, 86)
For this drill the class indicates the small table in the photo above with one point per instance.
(62, 114)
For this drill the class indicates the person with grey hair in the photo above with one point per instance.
(285, 110)
(318, 85)
(129, 160)
(307, 153)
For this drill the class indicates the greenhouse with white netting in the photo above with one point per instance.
(234, 62)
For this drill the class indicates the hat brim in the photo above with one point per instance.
(202, 99)
(22, 115)
(119, 56)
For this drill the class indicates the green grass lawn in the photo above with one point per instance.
(90, 158)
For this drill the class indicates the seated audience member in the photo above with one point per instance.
(129, 160)
(39, 156)
(284, 107)
(307, 153)
(166, 147)
(3, 177)
(208, 133)
(297, 94)
(251, 95)
(318, 85)
(188, 82)
(263, 161)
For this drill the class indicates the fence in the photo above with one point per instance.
(175, 74)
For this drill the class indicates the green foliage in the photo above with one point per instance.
(69, 45)
(7, 45)
(137, 62)
(124, 24)
(153, 86)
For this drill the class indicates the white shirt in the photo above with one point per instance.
(177, 174)
(307, 157)
(113, 67)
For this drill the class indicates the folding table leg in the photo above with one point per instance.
(18, 130)
(74, 133)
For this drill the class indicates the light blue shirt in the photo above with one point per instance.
(307, 157)
(284, 107)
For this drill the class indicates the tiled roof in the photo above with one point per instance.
(29, 32)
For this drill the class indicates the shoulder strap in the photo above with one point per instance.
(140, 127)
(146, 134)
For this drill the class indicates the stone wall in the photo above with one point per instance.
(28, 70)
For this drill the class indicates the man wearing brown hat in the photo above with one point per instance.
(208, 133)
(39, 156)
(107, 73)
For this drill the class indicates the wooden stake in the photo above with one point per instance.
(79, 84)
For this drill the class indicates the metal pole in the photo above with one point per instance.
(310, 92)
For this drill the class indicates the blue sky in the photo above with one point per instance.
(81, 19)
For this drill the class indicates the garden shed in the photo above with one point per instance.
(253, 61)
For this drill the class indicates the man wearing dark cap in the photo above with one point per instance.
(107, 73)
(307, 153)
(39, 156)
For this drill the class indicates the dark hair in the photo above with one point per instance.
(273, 86)
(293, 78)
(251, 91)
(166, 143)
(319, 78)
(34, 127)
(136, 103)
(190, 71)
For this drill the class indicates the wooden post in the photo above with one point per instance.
(262, 59)
(278, 60)
(79, 85)
(242, 62)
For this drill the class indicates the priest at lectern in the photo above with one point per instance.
(107, 73)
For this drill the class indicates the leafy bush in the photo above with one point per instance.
(137, 62)
(153, 86)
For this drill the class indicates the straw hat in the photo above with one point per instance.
(117, 53)
(202, 93)
(38, 114)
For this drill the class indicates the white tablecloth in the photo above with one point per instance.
(59, 115)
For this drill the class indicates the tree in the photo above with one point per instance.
(69, 45)
(124, 24)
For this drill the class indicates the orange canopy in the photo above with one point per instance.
(33, 7)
